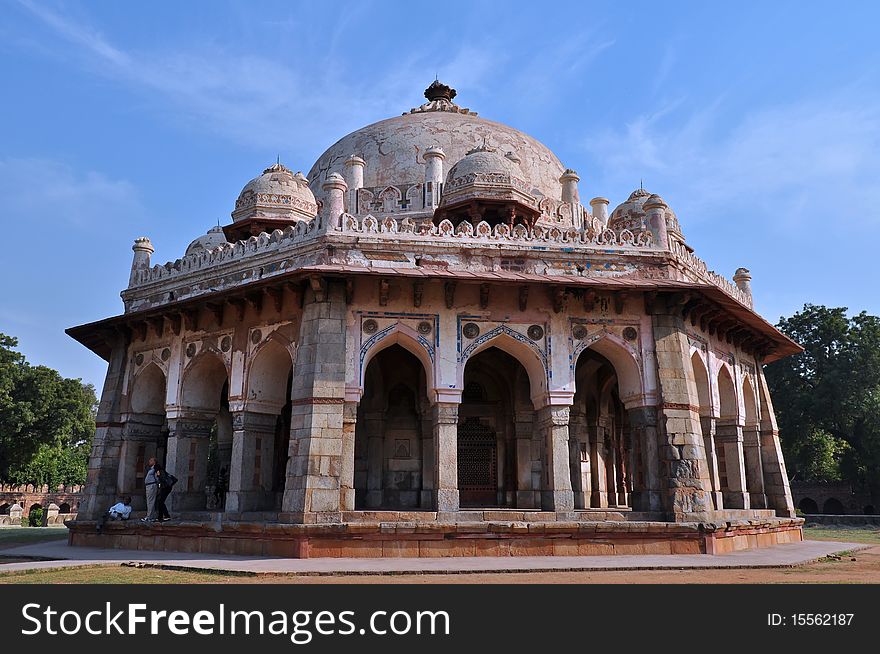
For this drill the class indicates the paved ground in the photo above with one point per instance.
(60, 555)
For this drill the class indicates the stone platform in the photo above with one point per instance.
(411, 539)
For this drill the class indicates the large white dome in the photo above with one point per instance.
(393, 149)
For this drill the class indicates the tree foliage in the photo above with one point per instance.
(827, 398)
(46, 422)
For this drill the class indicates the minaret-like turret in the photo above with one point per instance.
(599, 207)
(354, 177)
(743, 280)
(655, 208)
(334, 187)
(569, 181)
(143, 248)
(434, 157)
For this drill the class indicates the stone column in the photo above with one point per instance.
(728, 435)
(557, 494)
(426, 499)
(683, 459)
(100, 491)
(599, 491)
(311, 492)
(187, 459)
(707, 425)
(527, 468)
(346, 474)
(253, 456)
(445, 419)
(648, 496)
(610, 465)
(579, 460)
(753, 468)
(375, 425)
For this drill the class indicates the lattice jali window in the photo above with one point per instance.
(477, 456)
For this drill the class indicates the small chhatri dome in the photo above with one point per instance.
(277, 193)
(484, 165)
(213, 239)
(631, 214)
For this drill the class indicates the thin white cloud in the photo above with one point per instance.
(42, 193)
(261, 101)
(797, 162)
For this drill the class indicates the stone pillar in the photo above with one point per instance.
(187, 459)
(729, 436)
(553, 423)
(610, 464)
(101, 483)
(375, 425)
(648, 496)
(253, 457)
(753, 468)
(683, 460)
(426, 499)
(579, 460)
(599, 207)
(346, 474)
(312, 488)
(599, 491)
(655, 208)
(143, 249)
(707, 425)
(525, 490)
(776, 486)
(445, 419)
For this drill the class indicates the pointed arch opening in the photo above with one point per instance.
(707, 426)
(392, 448)
(257, 474)
(527, 356)
(752, 446)
(609, 460)
(499, 447)
(729, 443)
(200, 452)
(145, 434)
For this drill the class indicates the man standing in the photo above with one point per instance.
(151, 486)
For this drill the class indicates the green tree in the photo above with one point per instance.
(827, 398)
(46, 421)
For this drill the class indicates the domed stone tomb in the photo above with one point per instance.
(429, 346)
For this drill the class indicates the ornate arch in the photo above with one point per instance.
(409, 339)
(145, 384)
(728, 404)
(623, 358)
(202, 381)
(273, 359)
(521, 348)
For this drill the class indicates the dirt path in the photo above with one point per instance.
(860, 567)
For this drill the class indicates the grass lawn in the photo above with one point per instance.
(847, 534)
(14, 536)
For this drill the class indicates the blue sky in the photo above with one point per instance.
(759, 123)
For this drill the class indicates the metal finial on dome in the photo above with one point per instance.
(439, 91)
